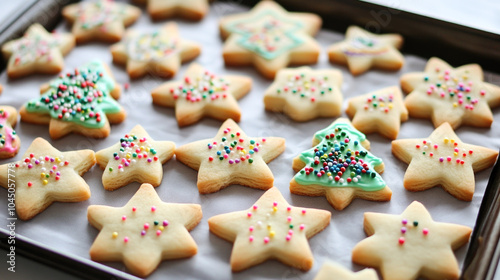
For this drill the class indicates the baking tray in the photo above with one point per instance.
(337, 15)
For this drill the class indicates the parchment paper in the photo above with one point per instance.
(64, 228)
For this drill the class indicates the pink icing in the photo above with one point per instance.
(8, 135)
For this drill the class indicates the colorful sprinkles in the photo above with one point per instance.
(154, 228)
(132, 150)
(265, 225)
(7, 134)
(234, 148)
(448, 151)
(363, 45)
(151, 46)
(379, 103)
(305, 86)
(458, 89)
(34, 47)
(81, 96)
(98, 14)
(48, 167)
(208, 87)
(409, 228)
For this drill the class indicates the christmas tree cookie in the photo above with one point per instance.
(411, 245)
(159, 53)
(362, 50)
(144, 232)
(380, 111)
(231, 157)
(270, 229)
(47, 175)
(444, 160)
(38, 51)
(100, 20)
(270, 38)
(339, 167)
(202, 93)
(80, 101)
(9, 142)
(458, 96)
(305, 94)
(137, 157)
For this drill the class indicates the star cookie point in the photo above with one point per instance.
(270, 229)
(330, 268)
(188, 9)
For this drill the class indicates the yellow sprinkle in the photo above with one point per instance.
(272, 233)
(115, 234)
(455, 104)
(251, 147)
(127, 156)
(42, 174)
(58, 159)
(445, 139)
(275, 208)
(452, 141)
(391, 105)
(161, 228)
(147, 149)
(465, 77)
(381, 104)
(329, 174)
(45, 182)
(244, 151)
(268, 226)
(444, 86)
(455, 153)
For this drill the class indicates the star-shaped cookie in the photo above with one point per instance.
(38, 51)
(454, 95)
(46, 175)
(135, 158)
(9, 142)
(270, 38)
(339, 167)
(188, 9)
(143, 232)
(201, 93)
(380, 111)
(231, 157)
(305, 94)
(331, 270)
(442, 160)
(100, 20)
(362, 50)
(159, 53)
(81, 101)
(410, 245)
(270, 229)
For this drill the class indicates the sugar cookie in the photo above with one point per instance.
(159, 53)
(38, 51)
(136, 158)
(362, 50)
(143, 232)
(380, 111)
(9, 142)
(202, 93)
(270, 229)
(46, 175)
(339, 167)
(270, 38)
(231, 157)
(188, 9)
(100, 20)
(331, 270)
(410, 245)
(305, 94)
(454, 95)
(442, 160)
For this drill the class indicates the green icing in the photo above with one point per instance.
(340, 160)
(267, 34)
(82, 97)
